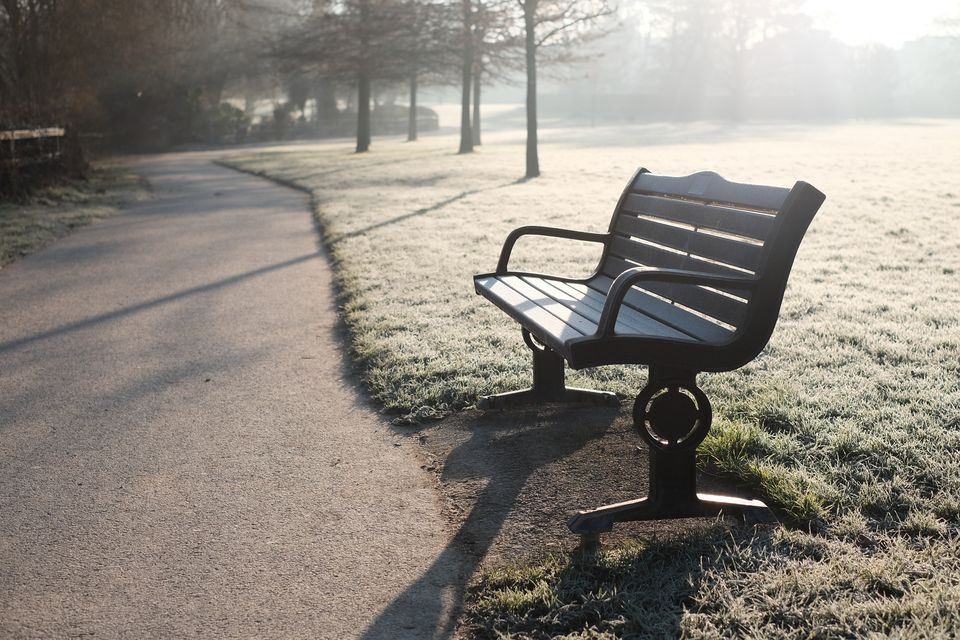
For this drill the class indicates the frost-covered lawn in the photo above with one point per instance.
(849, 422)
(55, 210)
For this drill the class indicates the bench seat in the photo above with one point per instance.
(565, 312)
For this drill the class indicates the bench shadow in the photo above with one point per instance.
(499, 478)
(511, 480)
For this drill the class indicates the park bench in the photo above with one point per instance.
(691, 278)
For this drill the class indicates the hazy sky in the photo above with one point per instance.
(889, 22)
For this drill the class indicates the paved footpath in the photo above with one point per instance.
(182, 450)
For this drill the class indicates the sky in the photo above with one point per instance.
(889, 22)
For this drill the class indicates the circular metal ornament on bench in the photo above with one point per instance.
(672, 415)
(532, 342)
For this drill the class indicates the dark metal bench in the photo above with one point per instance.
(691, 279)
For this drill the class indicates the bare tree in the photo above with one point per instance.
(746, 22)
(875, 78)
(425, 48)
(690, 32)
(351, 41)
(364, 70)
(561, 23)
(42, 43)
(496, 47)
(52, 49)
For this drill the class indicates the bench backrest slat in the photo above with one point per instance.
(708, 186)
(692, 240)
(715, 305)
(667, 313)
(703, 222)
(651, 255)
(740, 222)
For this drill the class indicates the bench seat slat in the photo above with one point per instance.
(629, 321)
(539, 319)
(562, 311)
(708, 186)
(748, 224)
(732, 252)
(573, 317)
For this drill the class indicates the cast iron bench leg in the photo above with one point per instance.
(548, 384)
(672, 495)
(674, 416)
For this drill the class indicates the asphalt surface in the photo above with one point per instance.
(183, 451)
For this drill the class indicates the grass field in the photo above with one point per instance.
(849, 422)
(55, 210)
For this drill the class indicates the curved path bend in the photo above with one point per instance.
(182, 451)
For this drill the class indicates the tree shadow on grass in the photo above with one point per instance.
(641, 590)
(333, 240)
(342, 168)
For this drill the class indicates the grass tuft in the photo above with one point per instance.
(744, 451)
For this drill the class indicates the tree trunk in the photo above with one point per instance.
(412, 123)
(533, 161)
(466, 135)
(476, 107)
(363, 111)
(363, 82)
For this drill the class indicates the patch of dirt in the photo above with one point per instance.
(512, 479)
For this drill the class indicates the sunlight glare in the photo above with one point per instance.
(888, 22)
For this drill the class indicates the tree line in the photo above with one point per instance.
(160, 69)
(737, 60)
(414, 42)
(143, 63)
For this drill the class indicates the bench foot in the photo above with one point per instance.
(705, 505)
(531, 396)
(548, 385)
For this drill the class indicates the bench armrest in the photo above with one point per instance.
(553, 232)
(630, 277)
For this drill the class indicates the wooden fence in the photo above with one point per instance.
(23, 147)
(27, 155)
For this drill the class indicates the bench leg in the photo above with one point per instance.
(674, 416)
(672, 494)
(548, 384)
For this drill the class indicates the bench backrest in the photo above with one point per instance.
(704, 223)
